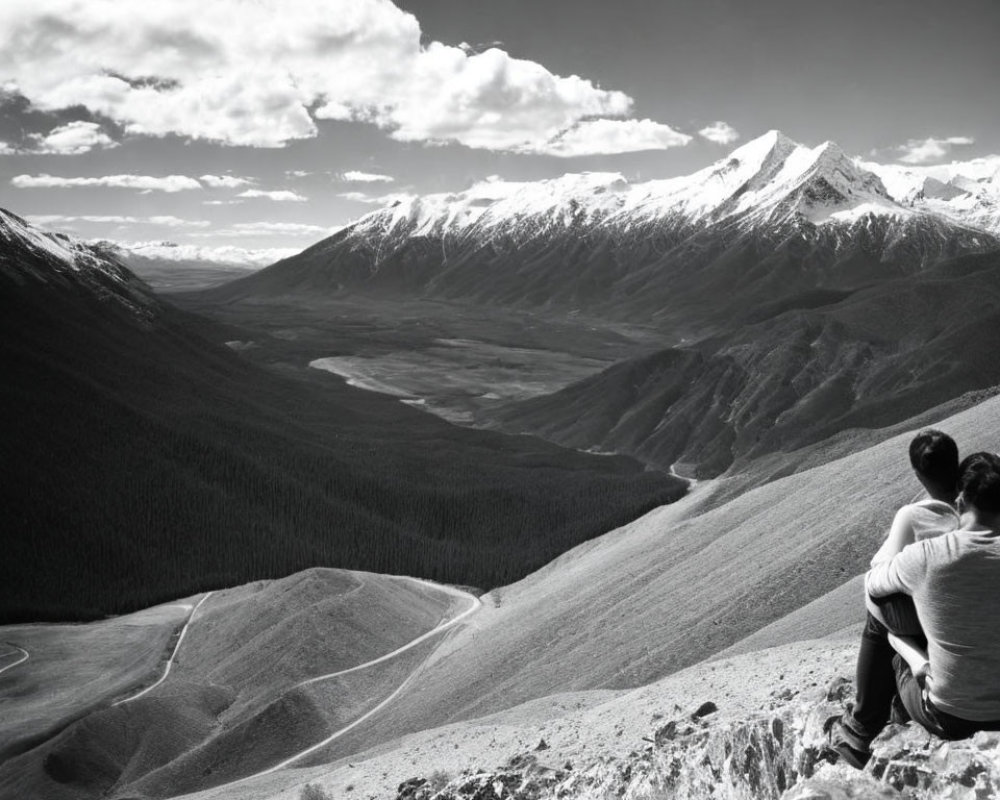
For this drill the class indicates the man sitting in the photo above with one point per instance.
(954, 581)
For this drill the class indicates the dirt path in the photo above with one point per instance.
(474, 606)
(170, 661)
(24, 657)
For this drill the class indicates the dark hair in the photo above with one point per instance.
(980, 482)
(934, 455)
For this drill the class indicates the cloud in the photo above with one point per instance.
(297, 173)
(376, 200)
(164, 220)
(281, 196)
(221, 202)
(225, 254)
(6, 149)
(296, 229)
(720, 132)
(225, 181)
(168, 183)
(923, 151)
(72, 139)
(606, 136)
(354, 176)
(260, 74)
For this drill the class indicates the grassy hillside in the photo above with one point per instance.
(234, 702)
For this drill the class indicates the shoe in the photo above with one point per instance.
(846, 744)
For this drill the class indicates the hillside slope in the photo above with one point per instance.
(242, 695)
(671, 589)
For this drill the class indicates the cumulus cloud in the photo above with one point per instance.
(113, 219)
(720, 132)
(260, 74)
(168, 183)
(6, 149)
(923, 151)
(281, 195)
(225, 181)
(605, 136)
(72, 139)
(355, 176)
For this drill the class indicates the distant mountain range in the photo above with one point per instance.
(768, 227)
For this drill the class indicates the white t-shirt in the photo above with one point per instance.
(917, 522)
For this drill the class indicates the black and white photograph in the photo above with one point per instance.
(481, 400)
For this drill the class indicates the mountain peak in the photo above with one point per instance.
(773, 145)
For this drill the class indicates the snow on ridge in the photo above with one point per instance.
(768, 181)
(13, 229)
(61, 253)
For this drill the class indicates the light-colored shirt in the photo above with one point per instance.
(915, 522)
(954, 580)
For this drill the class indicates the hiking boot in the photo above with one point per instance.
(848, 746)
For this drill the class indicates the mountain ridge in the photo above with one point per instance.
(772, 221)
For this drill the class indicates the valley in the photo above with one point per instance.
(451, 359)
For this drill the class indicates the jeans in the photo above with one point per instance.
(881, 674)
(875, 682)
(922, 710)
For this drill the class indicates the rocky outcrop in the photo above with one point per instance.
(779, 754)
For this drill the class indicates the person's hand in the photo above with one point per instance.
(923, 675)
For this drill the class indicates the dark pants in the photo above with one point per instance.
(875, 682)
(881, 674)
(922, 710)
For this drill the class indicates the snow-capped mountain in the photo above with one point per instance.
(967, 192)
(773, 221)
(769, 181)
(30, 256)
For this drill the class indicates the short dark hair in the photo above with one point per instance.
(934, 455)
(980, 482)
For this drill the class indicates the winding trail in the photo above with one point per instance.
(170, 661)
(24, 657)
(474, 606)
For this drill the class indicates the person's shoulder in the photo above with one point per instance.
(930, 518)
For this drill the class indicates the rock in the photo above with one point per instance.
(779, 754)
(910, 759)
(542, 745)
(840, 782)
(411, 789)
(841, 690)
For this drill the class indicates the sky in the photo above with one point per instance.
(269, 124)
